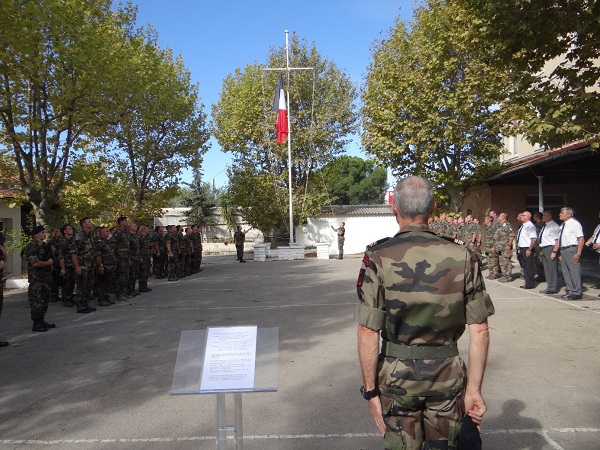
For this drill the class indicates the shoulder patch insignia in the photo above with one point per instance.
(455, 241)
(380, 241)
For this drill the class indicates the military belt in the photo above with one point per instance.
(401, 351)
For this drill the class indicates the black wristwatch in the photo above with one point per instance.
(368, 395)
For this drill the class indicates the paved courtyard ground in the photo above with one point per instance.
(102, 381)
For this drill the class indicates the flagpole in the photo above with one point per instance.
(287, 70)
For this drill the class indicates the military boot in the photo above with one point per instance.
(38, 325)
(46, 324)
(103, 302)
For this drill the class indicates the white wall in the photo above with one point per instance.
(360, 231)
(11, 221)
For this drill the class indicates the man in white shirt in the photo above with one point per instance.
(547, 240)
(570, 243)
(526, 239)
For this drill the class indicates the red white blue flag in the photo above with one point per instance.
(279, 106)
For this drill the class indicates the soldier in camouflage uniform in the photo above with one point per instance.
(503, 240)
(478, 238)
(172, 246)
(56, 278)
(419, 291)
(159, 251)
(197, 258)
(67, 270)
(107, 267)
(39, 260)
(239, 237)
(83, 251)
(134, 259)
(145, 258)
(120, 241)
(493, 259)
(341, 238)
(181, 254)
(188, 245)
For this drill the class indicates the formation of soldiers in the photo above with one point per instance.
(97, 262)
(493, 241)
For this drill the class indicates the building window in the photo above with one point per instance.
(553, 202)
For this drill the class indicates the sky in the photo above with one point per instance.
(216, 37)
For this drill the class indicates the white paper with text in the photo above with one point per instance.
(230, 358)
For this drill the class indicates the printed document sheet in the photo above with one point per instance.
(229, 361)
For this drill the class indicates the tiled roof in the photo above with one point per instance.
(356, 210)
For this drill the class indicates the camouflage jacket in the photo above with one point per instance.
(419, 289)
(197, 240)
(83, 246)
(120, 241)
(239, 238)
(134, 247)
(35, 252)
(158, 240)
(489, 236)
(501, 236)
(106, 252)
(145, 246)
(63, 253)
(172, 240)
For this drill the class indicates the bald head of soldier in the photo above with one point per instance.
(413, 200)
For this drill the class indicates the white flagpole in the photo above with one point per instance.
(288, 69)
(289, 137)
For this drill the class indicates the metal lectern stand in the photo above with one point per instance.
(188, 375)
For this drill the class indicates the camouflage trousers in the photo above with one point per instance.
(412, 421)
(187, 264)
(239, 248)
(493, 263)
(134, 274)
(341, 247)
(56, 284)
(158, 265)
(38, 295)
(68, 286)
(104, 283)
(144, 271)
(172, 267)
(181, 265)
(505, 263)
(85, 284)
(122, 276)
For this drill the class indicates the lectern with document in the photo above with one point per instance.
(227, 360)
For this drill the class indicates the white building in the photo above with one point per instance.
(364, 225)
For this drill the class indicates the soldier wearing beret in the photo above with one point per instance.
(40, 263)
(419, 292)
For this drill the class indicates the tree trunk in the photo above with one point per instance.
(457, 196)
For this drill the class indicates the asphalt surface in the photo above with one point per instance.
(102, 380)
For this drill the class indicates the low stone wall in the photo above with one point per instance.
(290, 253)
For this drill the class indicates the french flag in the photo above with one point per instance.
(279, 105)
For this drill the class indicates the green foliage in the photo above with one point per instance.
(550, 51)
(61, 66)
(427, 108)
(16, 241)
(200, 198)
(161, 128)
(354, 181)
(244, 125)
